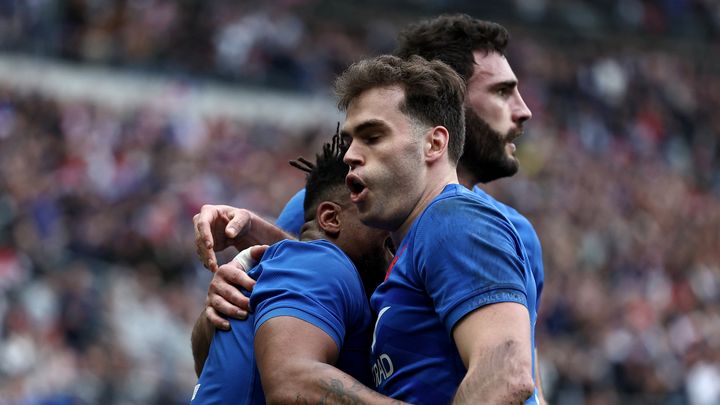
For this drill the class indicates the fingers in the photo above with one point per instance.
(257, 252)
(224, 308)
(225, 297)
(204, 242)
(235, 273)
(216, 320)
(240, 222)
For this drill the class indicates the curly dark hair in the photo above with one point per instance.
(326, 177)
(452, 38)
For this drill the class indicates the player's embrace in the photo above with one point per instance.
(308, 338)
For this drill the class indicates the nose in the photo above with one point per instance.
(352, 156)
(521, 112)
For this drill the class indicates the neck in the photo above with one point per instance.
(310, 231)
(466, 178)
(435, 185)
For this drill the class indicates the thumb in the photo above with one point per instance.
(238, 224)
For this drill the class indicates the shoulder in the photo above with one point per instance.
(462, 206)
(523, 225)
(462, 218)
(308, 262)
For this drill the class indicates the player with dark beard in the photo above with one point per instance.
(495, 114)
(494, 117)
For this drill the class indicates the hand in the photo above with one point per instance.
(224, 296)
(216, 228)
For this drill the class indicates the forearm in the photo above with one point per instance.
(262, 232)
(200, 339)
(312, 382)
(501, 377)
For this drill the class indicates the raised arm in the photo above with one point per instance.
(494, 343)
(218, 227)
(296, 362)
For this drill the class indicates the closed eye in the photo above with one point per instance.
(371, 140)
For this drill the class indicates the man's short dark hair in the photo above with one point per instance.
(452, 39)
(325, 180)
(434, 93)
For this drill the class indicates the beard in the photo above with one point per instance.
(484, 155)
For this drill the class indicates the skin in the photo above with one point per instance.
(494, 344)
(295, 358)
(401, 169)
(403, 173)
(495, 115)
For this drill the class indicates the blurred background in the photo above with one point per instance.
(120, 118)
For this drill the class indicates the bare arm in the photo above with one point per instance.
(218, 227)
(200, 339)
(296, 362)
(494, 343)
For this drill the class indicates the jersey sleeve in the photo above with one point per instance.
(292, 217)
(534, 252)
(468, 256)
(311, 282)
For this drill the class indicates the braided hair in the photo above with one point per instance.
(326, 177)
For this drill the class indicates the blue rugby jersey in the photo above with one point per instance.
(528, 236)
(313, 281)
(460, 254)
(291, 219)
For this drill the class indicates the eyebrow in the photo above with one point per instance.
(505, 84)
(365, 125)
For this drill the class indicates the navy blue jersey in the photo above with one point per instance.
(313, 281)
(460, 254)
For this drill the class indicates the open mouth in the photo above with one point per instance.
(356, 186)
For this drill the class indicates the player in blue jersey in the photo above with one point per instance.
(495, 113)
(312, 321)
(456, 312)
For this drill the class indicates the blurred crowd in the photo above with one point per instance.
(301, 44)
(620, 174)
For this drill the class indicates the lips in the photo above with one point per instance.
(513, 135)
(358, 189)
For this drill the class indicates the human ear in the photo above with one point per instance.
(436, 143)
(328, 217)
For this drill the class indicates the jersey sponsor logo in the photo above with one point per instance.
(195, 391)
(380, 314)
(382, 369)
